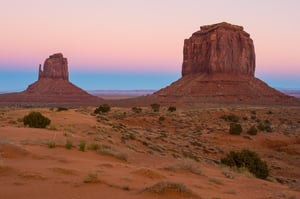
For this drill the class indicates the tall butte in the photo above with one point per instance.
(219, 66)
(52, 87)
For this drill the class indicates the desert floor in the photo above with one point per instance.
(150, 154)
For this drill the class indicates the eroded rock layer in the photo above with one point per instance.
(219, 48)
(55, 67)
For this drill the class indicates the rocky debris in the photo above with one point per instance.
(219, 48)
(220, 88)
(55, 67)
(52, 87)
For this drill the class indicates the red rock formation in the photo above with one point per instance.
(55, 67)
(52, 87)
(219, 48)
(218, 66)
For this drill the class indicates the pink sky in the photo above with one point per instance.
(142, 35)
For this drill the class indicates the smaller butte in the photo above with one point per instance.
(52, 87)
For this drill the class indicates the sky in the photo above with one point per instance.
(138, 44)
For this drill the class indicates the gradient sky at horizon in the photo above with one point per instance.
(137, 44)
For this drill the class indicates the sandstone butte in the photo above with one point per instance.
(52, 87)
(219, 66)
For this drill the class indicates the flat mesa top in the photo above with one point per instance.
(223, 25)
(56, 55)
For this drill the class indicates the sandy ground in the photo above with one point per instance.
(147, 155)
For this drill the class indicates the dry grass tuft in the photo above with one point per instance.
(186, 165)
(165, 187)
(107, 150)
(149, 173)
(92, 178)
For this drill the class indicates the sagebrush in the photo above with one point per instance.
(247, 159)
(36, 120)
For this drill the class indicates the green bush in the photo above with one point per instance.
(136, 109)
(161, 118)
(252, 130)
(265, 126)
(94, 146)
(69, 144)
(104, 108)
(36, 120)
(235, 129)
(247, 159)
(172, 109)
(82, 146)
(51, 144)
(230, 118)
(155, 107)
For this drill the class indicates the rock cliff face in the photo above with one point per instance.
(55, 67)
(219, 48)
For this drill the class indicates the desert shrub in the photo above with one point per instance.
(230, 118)
(136, 109)
(36, 120)
(268, 128)
(104, 108)
(167, 186)
(264, 126)
(161, 118)
(261, 127)
(94, 146)
(107, 150)
(267, 122)
(172, 109)
(91, 178)
(51, 144)
(61, 109)
(69, 144)
(269, 112)
(252, 130)
(235, 129)
(249, 160)
(253, 112)
(82, 145)
(155, 107)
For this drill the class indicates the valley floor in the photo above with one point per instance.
(131, 154)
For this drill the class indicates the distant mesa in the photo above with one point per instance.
(52, 87)
(219, 66)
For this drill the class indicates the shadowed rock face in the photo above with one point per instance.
(219, 48)
(55, 67)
